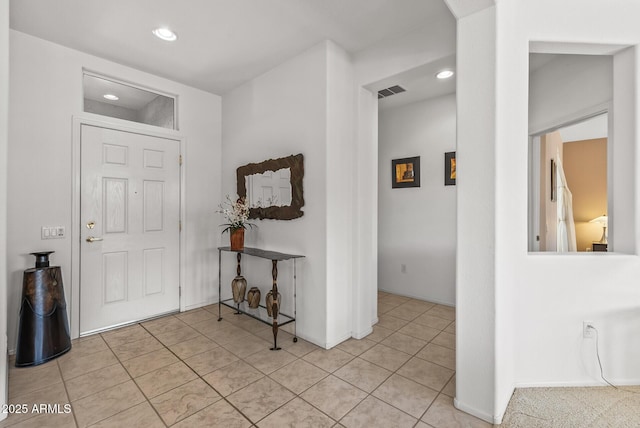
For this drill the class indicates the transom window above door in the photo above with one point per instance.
(108, 97)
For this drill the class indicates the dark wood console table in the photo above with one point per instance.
(260, 313)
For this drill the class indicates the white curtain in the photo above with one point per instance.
(566, 230)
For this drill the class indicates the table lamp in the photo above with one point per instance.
(604, 222)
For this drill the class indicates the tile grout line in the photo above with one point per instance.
(418, 420)
(187, 365)
(273, 380)
(370, 394)
(64, 385)
(296, 395)
(134, 382)
(7, 423)
(201, 378)
(190, 368)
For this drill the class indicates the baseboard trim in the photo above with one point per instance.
(477, 413)
(428, 299)
(578, 384)
(362, 335)
(330, 345)
(4, 383)
(200, 305)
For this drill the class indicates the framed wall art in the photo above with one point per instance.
(450, 169)
(405, 172)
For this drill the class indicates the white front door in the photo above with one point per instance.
(130, 221)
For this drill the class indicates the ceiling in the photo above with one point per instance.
(419, 83)
(221, 43)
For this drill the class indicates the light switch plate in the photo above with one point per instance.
(53, 232)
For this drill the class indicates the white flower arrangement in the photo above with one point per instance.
(236, 213)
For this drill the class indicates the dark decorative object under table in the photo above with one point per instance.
(253, 297)
(269, 314)
(239, 286)
(43, 332)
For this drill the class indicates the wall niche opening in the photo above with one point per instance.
(581, 118)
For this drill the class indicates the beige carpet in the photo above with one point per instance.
(573, 408)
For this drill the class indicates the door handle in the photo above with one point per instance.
(93, 239)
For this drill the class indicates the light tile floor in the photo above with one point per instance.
(189, 370)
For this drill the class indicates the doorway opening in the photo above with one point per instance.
(417, 215)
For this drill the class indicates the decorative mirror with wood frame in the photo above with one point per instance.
(290, 166)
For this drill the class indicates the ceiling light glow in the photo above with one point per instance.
(444, 74)
(165, 34)
(111, 97)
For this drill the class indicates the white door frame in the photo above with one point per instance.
(125, 126)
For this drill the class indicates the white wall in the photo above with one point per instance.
(417, 226)
(46, 91)
(365, 232)
(535, 304)
(304, 105)
(557, 293)
(566, 87)
(340, 173)
(281, 113)
(476, 317)
(4, 122)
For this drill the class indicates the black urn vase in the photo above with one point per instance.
(43, 330)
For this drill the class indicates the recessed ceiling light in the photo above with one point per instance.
(165, 34)
(444, 74)
(111, 97)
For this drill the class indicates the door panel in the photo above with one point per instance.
(153, 204)
(114, 280)
(153, 283)
(115, 205)
(130, 204)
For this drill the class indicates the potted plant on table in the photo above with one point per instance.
(237, 215)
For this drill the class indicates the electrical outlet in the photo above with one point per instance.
(403, 268)
(588, 330)
(55, 232)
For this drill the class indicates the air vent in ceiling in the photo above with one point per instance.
(390, 91)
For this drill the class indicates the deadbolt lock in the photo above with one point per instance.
(91, 225)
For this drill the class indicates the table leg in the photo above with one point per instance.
(219, 284)
(238, 272)
(295, 306)
(274, 306)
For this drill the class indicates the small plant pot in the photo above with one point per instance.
(237, 239)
